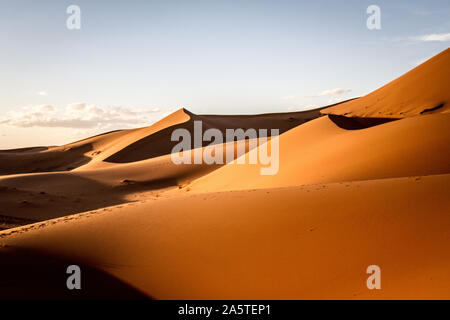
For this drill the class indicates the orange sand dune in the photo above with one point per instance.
(320, 152)
(160, 143)
(135, 144)
(300, 242)
(365, 184)
(39, 196)
(73, 155)
(36, 196)
(423, 90)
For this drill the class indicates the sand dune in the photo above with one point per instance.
(161, 143)
(359, 183)
(136, 144)
(320, 152)
(423, 90)
(40, 196)
(299, 242)
(44, 195)
(91, 150)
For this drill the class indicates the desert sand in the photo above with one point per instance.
(363, 182)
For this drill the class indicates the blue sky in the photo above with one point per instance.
(133, 62)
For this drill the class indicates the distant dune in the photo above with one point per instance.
(362, 182)
(136, 144)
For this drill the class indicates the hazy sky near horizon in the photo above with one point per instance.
(132, 62)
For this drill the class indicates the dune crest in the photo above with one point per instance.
(362, 182)
(423, 90)
(321, 152)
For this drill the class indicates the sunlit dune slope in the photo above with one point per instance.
(25, 198)
(423, 90)
(133, 145)
(366, 184)
(300, 242)
(319, 151)
(160, 143)
(73, 155)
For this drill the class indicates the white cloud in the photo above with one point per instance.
(336, 100)
(411, 40)
(76, 106)
(325, 93)
(289, 97)
(442, 37)
(42, 93)
(46, 108)
(81, 116)
(331, 92)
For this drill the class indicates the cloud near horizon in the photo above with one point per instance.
(431, 37)
(331, 92)
(441, 37)
(325, 93)
(81, 116)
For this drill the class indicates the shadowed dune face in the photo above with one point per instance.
(160, 143)
(43, 276)
(367, 183)
(423, 90)
(290, 243)
(37, 160)
(355, 123)
(62, 158)
(78, 154)
(27, 198)
(93, 183)
(320, 152)
(125, 146)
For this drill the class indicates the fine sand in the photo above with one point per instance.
(363, 182)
